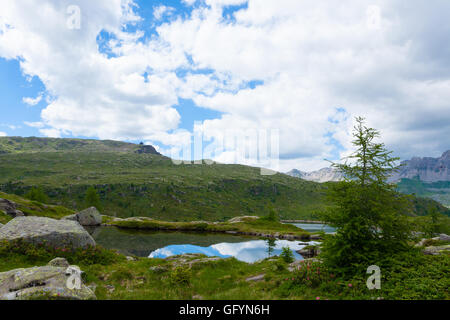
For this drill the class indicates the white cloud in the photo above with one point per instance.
(161, 11)
(3, 134)
(32, 101)
(308, 58)
(37, 124)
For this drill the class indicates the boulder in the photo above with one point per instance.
(444, 237)
(436, 250)
(59, 262)
(87, 217)
(10, 208)
(47, 282)
(39, 230)
(309, 251)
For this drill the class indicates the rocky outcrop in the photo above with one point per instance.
(147, 149)
(47, 282)
(39, 230)
(10, 208)
(87, 217)
(444, 237)
(426, 169)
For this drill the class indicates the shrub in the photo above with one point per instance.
(312, 274)
(180, 276)
(44, 253)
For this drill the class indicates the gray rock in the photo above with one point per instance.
(59, 262)
(87, 217)
(436, 250)
(159, 269)
(39, 230)
(1, 225)
(444, 237)
(41, 282)
(259, 277)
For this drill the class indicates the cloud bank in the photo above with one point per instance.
(305, 68)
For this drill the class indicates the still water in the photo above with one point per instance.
(315, 227)
(165, 244)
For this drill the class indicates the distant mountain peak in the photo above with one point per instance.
(322, 175)
(426, 169)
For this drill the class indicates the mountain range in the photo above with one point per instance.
(425, 177)
(425, 169)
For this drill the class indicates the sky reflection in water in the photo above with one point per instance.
(249, 251)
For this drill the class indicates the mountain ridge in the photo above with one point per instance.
(426, 169)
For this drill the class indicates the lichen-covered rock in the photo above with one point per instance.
(59, 262)
(39, 230)
(47, 282)
(432, 250)
(444, 237)
(87, 217)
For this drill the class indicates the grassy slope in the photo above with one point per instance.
(150, 185)
(439, 191)
(33, 208)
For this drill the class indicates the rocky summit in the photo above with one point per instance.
(39, 230)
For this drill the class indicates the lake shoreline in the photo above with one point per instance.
(257, 228)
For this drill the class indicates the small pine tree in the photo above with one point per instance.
(37, 194)
(92, 199)
(434, 225)
(367, 212)
(287, 255)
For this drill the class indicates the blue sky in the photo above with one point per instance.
(14, 85)
(148, 70)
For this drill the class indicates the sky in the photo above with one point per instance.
(242, 73)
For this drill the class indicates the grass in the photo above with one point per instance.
(411, 276)
(33, 208)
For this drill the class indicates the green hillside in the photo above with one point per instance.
(134, 184)
(439, 191)
(33, 144)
